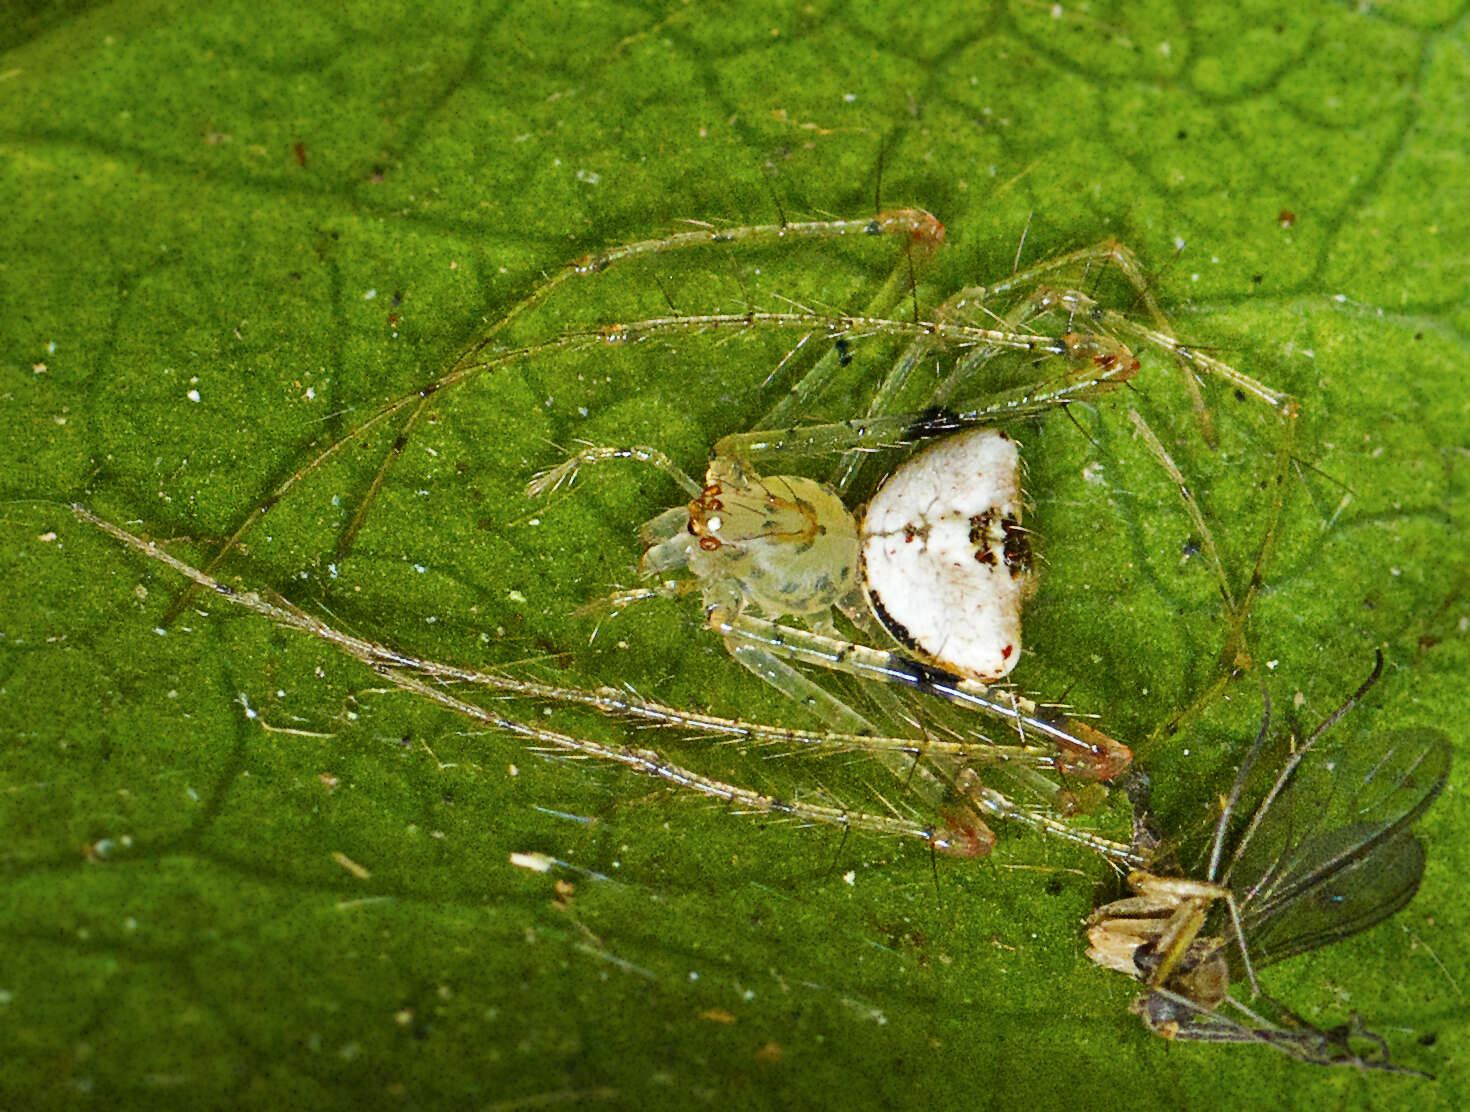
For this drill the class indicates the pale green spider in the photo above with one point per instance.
(734, 500)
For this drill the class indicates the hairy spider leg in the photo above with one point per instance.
(1103, 367)
(607, 700)
(972, 303)
(1080, 306)
(614, 334)
(891, 387)
(1084, 752)
(924, 239)
(411, 673)
(1234, 653)
(664, 551)
(919, 231)
(972, 299)
(1111, 253)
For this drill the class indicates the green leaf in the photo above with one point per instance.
(237, 874)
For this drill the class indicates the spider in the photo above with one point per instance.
(1327, 852)
(1084, 351)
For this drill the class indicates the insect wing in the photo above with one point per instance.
(1334, 855)
(1370, 886)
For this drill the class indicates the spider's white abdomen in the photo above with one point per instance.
(945, 560)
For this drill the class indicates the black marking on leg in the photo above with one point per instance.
(923, 677)
(937, 420)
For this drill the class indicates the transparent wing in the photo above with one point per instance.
(1372, 885)
(1331, 852)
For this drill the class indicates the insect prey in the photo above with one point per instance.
(1327, 851)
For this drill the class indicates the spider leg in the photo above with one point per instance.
(413, 674)
(919, 232)
(1080, 305)
(761, 661)
(1111, 253)
(1103, 367)
(1235, 654)
(923, 242)
(763, 656)
(891, 388)
(1083, 752)
(566, 472)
